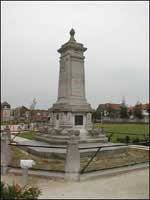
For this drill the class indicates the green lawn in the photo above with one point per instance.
(141, 131)
(28, 135)
(126, 129)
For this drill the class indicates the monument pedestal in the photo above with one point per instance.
(62, 136)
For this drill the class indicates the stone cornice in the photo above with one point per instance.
(72, 45)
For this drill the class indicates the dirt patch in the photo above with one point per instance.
(41, 163)
(131, 156)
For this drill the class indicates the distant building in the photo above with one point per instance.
(130, 111)
(146, 107)
(38, 115)
(21, 113)
(5, 111)
(109, 110)
(24, 114)
(146, 111)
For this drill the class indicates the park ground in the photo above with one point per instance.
(127, 185)
(136, 132)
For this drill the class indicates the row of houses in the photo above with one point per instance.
(22, 114)
(113, 110)
(108, 110)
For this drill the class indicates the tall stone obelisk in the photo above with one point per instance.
(71, 111)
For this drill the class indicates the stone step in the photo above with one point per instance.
(64, 140)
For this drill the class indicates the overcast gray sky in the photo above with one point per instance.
(115, 33)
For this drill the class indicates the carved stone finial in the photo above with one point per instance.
(72, 33)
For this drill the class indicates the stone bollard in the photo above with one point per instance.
(5, 153)
(72, 163)
(25, 165)
(8, 132)
(25, 176)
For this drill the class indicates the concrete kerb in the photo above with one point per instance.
(86, 176)
(139, 147)
(112, 172)
(39, 173)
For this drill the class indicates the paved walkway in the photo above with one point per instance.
(129, 185)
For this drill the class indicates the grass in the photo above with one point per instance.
(41, 163)
(100, 162)
(126, 129)
(28, 135)
(123, 129)
(131, 156)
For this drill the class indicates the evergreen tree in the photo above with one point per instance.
(123, 110)
(137, 111)
(130, 113)
(148, 108)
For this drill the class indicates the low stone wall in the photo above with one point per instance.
(54, 154)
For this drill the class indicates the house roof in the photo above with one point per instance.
(5, 104)
(114, 106)
(145, 106)
(21, 107)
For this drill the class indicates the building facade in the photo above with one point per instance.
(5, 112)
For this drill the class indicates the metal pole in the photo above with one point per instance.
(90, 160)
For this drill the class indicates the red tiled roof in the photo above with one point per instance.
(114, 106)
(145, 106)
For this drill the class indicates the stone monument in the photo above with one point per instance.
(71, 112)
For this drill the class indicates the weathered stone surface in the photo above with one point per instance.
(71, 110)
(71, 99)
(72, 163)
(5, 152)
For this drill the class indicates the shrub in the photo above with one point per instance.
(118, 139)
(127, 139)
(121, 139)
(15, 191)
(136, 140)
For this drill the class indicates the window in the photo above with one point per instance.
(57, 116)
(78, 120)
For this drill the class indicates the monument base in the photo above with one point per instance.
(62, 136)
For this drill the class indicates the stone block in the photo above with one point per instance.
(72, 163)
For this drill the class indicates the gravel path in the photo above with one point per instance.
(130, 185)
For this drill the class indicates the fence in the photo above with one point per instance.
(72, 160)
(72, 169)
